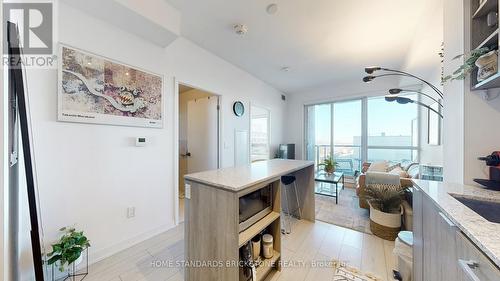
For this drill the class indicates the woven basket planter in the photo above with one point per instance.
(385, 225)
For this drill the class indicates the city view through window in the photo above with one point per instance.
(388, 132)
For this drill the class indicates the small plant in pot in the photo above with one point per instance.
(385, 209)
(329, 165)
(468, 65)
(68, 249)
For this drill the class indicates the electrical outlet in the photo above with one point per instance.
(130, 212)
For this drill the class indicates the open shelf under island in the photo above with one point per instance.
(213, 233)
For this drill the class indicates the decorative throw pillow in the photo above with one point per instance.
(390, 168)
(399, 171)
(378, 167)
(365, 167)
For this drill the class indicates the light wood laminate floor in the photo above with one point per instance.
(308, 242)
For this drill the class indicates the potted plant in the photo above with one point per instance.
(68, 249)
(329, 165)
(385, 209)
(468, 65)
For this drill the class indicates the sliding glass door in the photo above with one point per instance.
(347, 136)
(334, 131)
(392, 131)
(319, 132)
(365, 129)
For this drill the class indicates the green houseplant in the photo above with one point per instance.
(329, 165)
(385, 209)
(69, 248)
(468, 65)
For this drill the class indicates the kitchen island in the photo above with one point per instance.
(213, 234)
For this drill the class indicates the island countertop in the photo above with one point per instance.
(238, 178)
(485, 234)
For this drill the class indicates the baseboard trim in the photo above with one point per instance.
(100, 254)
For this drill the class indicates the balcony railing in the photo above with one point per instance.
(347, 157)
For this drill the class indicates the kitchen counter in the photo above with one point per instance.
(214, 227)
(239, 178)
(484, 234)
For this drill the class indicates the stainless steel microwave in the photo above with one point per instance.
(254, 206)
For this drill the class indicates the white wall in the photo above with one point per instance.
(453, 128)
(89, 174)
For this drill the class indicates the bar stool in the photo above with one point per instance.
(287, 182)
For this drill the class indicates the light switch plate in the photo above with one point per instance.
(187, 191)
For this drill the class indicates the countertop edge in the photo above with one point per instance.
(484, 248)
(193, 178)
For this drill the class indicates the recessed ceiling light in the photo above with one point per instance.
(272, 9)
(240, 29)
(285, 68)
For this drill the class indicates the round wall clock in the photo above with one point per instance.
(238, 108)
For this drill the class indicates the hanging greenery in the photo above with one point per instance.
(469, 64)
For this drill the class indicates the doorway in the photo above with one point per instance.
(198, 136)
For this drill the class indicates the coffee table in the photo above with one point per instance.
(331, 180)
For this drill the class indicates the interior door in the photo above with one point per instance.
(202, 134)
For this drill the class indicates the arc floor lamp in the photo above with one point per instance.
(394, 94)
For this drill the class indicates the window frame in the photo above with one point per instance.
(364, 147)
(268, 131)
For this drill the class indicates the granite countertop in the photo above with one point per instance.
(485, 234)
(239, 178)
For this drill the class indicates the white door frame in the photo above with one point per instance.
(176, 140)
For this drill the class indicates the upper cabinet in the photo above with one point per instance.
(484, 29)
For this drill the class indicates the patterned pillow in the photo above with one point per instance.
(390, 168)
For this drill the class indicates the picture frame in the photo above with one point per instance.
(98, 90)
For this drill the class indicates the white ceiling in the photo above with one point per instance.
(322, 41)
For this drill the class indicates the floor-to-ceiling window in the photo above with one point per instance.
(364, 129)
(347, 136)
(392, 131)
(334, 131)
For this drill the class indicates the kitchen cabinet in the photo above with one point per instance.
(441, 251)
(434, 251)
(472, 263)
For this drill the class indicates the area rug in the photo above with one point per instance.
(344, 272)
(346, 213)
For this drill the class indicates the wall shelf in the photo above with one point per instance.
(490, 82)
(256, 228)
(486, 7)
(491, 40)
(483, 35)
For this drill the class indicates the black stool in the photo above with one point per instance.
(287, 182)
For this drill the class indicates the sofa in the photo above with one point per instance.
(406, 175)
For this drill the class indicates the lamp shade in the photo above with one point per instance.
(368, 78)
(391, 98)
(372, 69)
(403, 100)
(395, 91)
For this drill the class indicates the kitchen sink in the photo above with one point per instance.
(490, 210)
